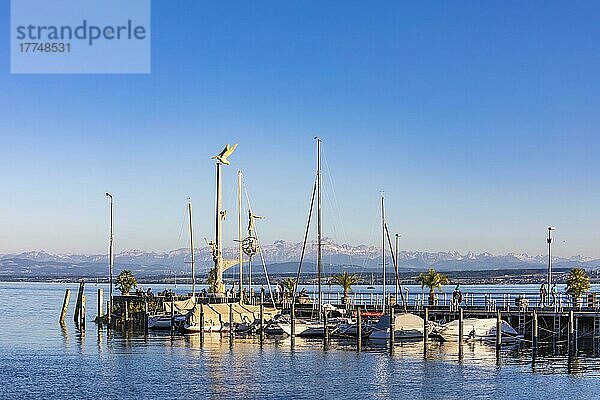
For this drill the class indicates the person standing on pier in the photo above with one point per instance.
(554, 292)
(543, 293)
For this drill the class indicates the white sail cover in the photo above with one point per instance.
(218, 314)
(180, 307)
(403, 321)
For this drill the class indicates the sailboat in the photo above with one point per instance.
(180, 308)
(314, 327)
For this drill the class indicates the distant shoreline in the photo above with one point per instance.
(486, 277)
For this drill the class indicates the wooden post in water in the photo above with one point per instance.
(392, 329)
(63, 312)
(126, 321)
(231, 332)
(534, 332)
(325, 330)
(570, 335)
(499, 330)
(201, 324)
(292, 322)
(461, 332)
(358, 330)
(146, 315)
(262, 316)
(82, 312)
(100, 303)
(77, 314)
(426, 327)
(172, 314)
(575, 335)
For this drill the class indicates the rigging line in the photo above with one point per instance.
(395, 266)
(336, 213)
(336, 236)
(312, 202)
(370, 242)
(339, 214)
(183, 221)
(262, 257)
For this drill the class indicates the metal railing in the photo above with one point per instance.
(489, 301)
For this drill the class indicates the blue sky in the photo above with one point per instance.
(479, 120)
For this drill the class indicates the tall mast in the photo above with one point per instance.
(396, 266)
(239, 199)
(319, 220)
(192, 249)
(218, 233)
(111, 260)
(383, 245)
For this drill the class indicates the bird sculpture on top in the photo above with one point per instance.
(223, 155)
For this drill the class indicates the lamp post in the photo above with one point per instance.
(110, 260)
(549, 240)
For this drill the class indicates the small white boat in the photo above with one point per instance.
(477, 329)
(406, 327)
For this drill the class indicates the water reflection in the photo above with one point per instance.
(115, 364)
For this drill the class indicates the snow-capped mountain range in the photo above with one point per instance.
(362, 258)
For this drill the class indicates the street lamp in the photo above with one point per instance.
(549, 240)
(110, 260)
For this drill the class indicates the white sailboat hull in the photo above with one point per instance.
(164, 321)
(477, 329)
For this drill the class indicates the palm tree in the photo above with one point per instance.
(288, 285)
(126, 281)
(433, 280)
(578, 282)
(346, 281)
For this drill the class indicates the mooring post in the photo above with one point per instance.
(82, 312)
(392, 329)
(358, 329)
(426, 327)
(201, 324)
(292, 322)
(146, 315)
(262, 315)
(172, 314)
(461, 331)
(231, 332)
(499, 330)
(63, 312)
(126, 321)
(100, 303)
(534, 332)
(571, 334)
(325, 330)
(108, 315)
(575, 333)
(77, 314)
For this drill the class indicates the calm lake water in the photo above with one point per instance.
(39, 359)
